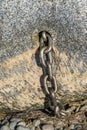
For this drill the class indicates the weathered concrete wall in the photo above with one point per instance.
(21, 21)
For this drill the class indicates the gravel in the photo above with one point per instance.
(38, 120)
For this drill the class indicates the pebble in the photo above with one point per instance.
(36, 123)
(5, 127)
(83, 108)
(22, 128)
(72, 127)
(15, 120)
(47, 127)
(33, 128)
(12, 125)
(5, 122)
(22, 123)
(59, 125)
(75, 127)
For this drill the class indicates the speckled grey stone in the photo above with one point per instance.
(66, 19)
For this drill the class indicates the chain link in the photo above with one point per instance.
(50, 86)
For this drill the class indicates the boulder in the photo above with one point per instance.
(20, 72)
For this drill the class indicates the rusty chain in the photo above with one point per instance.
(49, 82)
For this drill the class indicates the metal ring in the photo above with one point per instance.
(53, 103)
(49, 70)
(49, 47)
(54, 84)
(42, 56)
(42, 52)
(46, 38)
(44, 35)
(45, 84)
(49, 57)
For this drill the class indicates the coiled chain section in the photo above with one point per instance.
(49, 82)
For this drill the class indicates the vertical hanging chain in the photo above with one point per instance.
(49, 82)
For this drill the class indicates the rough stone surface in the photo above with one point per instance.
(20, 23)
